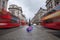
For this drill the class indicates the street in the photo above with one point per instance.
(20, 33)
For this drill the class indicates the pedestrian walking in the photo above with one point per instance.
(30, 28)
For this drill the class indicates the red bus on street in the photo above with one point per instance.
(7, 20)
(52, 18)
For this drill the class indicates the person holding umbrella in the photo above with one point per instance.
(29, 29)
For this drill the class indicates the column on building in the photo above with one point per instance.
(20, 11)
(53, 3)
(3, 4)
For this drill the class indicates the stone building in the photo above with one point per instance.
(3, 4)
(51, 4)
(15, 10)
(38, 16)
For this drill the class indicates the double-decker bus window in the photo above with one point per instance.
(49, 21)
(50, 12)
(57, 7)
(12, 21)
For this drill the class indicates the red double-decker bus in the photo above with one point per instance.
(52, 18)
(7, 20)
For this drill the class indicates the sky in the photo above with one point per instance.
(29, 7)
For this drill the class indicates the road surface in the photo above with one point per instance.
(21, 34)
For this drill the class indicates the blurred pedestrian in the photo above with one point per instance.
(29, 29)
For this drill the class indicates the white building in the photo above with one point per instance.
(15, 10)
(3, 4)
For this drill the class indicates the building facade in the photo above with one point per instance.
(51, 4)
(23, 18)
(15, 10)
(3, 4)
(38, 16)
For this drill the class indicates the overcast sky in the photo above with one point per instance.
(29, 7)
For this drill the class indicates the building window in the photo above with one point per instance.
(49, 21)
(57, 2)
(3, 4)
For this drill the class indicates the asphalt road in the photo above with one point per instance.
(20, 33)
